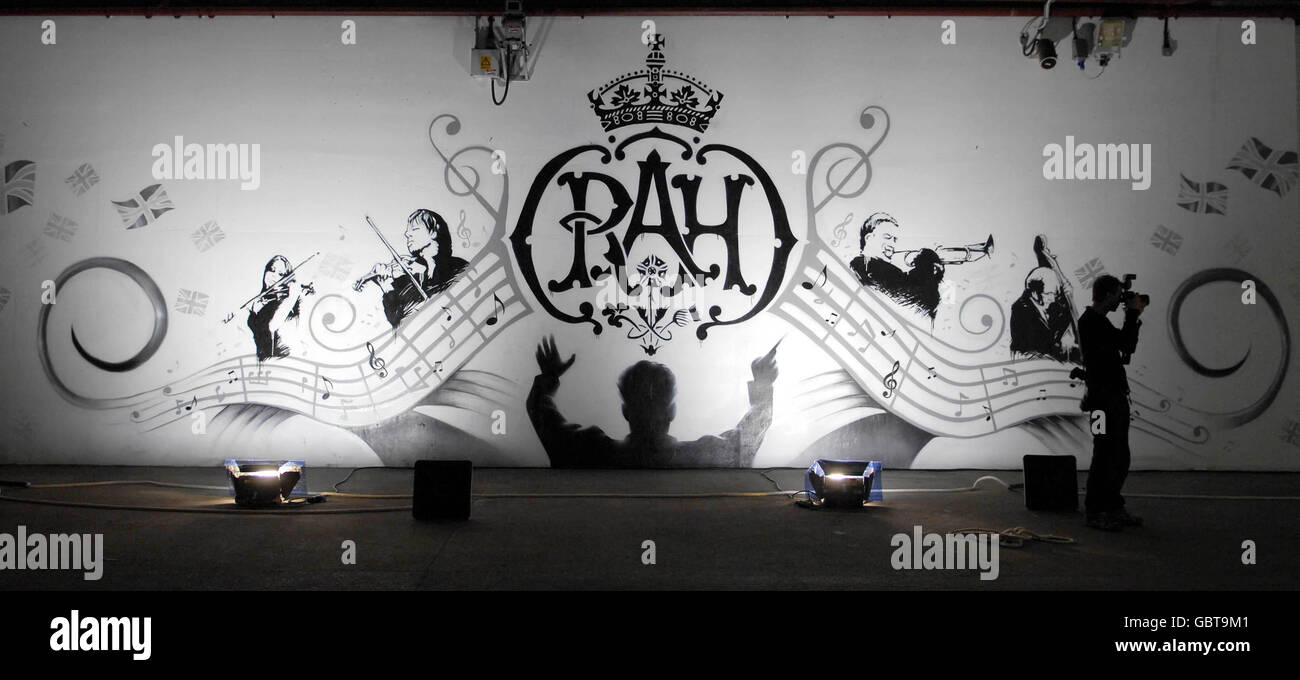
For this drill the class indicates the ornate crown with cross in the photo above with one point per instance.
(655, 95)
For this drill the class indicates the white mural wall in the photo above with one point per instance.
(720, 242)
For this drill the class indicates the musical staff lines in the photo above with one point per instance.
(372, 380)
(937, 386)
(932, 387)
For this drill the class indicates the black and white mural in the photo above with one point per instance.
(322, 251)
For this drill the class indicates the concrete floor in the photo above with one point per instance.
(595, 543)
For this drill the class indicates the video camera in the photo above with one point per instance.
(1127, 294)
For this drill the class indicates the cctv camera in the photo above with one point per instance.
(1046, 52)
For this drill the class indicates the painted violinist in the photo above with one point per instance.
(428, 268)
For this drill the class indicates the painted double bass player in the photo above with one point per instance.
(1044, 314)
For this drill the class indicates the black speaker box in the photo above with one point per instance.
(1051, 483)
(442, 489)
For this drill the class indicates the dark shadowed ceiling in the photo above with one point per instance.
(1174, 8)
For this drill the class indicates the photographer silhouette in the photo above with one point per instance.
(1105, 352)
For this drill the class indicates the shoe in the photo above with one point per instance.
(1104, 521)
(1127, 519)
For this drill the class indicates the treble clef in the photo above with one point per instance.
(463, 231)
(841, 232)
(376, 363)
(890, 383)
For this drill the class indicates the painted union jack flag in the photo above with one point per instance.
(191, 302)
(1212, 200)
(4, 298)
(19, 187)
(1089, 272)
(1167, 239)
(1291, 433)
(1273, 170)
(37, 250)
(60, 227)
(1239, 245)
(208, 235)
(22, 426)
(82, 179)
(335, 266)
(147, 206)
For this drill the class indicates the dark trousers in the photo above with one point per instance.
(1110, 458)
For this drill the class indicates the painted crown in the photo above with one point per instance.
(655, 95)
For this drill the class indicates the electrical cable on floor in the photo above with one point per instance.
(973, 487)
(773, 481)
(1015, 537)
(1020, 532)
(211, 511)
(354, 471)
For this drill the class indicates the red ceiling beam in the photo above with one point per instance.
(992, 8)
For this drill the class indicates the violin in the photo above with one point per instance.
(279, 290)
(386, 271)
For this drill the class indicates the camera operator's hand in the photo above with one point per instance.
(1136, 304)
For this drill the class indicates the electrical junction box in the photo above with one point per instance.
(1111, 37)
(485, 63)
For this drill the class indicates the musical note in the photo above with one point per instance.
(178, 365)
(217, 392)
(330, 386)
(261, 377)
(834, 321)
(447, 309)
(232, 380)
(304, 386)
(188, 407)
(420, 385)
(377, 363)
(990, 412)
(931, 371)
(342, 232)
(890, 383)
(1008, 374)
(1042, 395)
(808, 285)
(491, 320)
(891, 332)
(453, 344)
(960, 404)
(437, 367)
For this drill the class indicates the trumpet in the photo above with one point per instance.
(951, 254)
